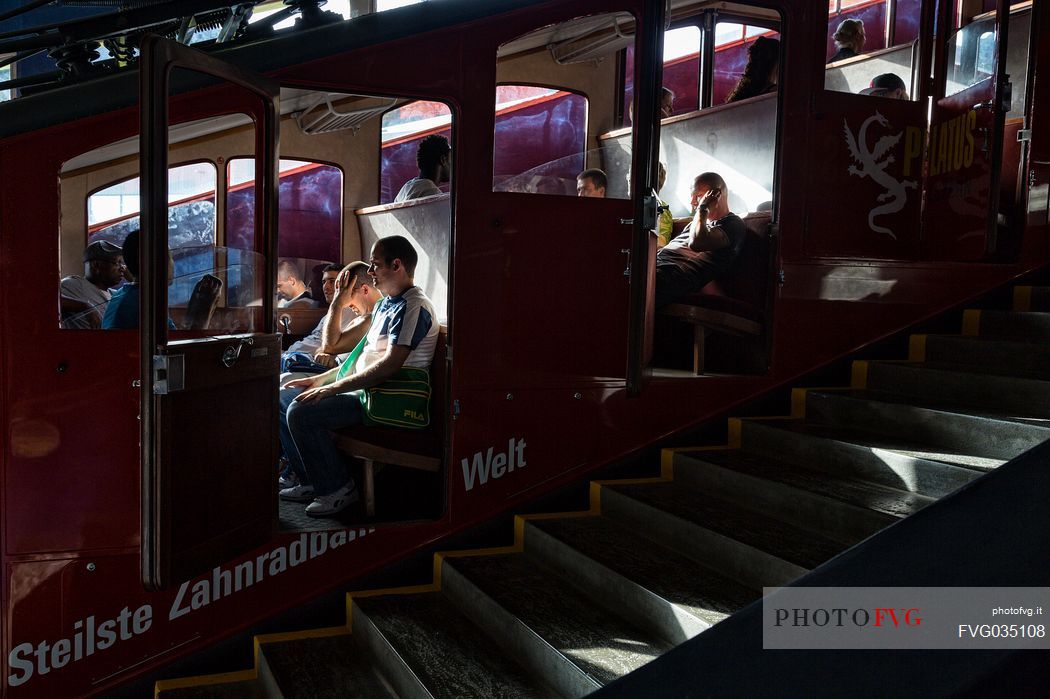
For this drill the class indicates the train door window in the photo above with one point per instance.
(110, 213)
(971, 56)
(539, 141)
(310, 215)
(403, 129)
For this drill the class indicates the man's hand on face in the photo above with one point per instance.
(344, 289)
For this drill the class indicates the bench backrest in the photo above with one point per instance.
(749, 281)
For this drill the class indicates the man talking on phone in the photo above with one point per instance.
(706, 249)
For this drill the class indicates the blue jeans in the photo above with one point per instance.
(304, 433)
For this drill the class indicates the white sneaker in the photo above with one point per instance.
(304, 492)
(330, 504)
(288, 481)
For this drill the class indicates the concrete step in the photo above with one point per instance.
(949, 384)
(825, 502)
(245, 689)
(654, 587)
(742, 544)
(425, 647)
(1014, 357)
(1032, 298)
(956, 430)
(1031, 325)
(540, 620)
(323, 668)
(887, 461)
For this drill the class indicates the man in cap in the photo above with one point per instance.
(84, 298)
(887, 85)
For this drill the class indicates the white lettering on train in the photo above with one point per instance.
(484, 463)
(90, 636)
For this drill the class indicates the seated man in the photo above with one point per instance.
(84, 298)
(434, 158)
(353, 297)
(706, 249)
(122, 312)
(292, 291)
(404, 332)
(591, 183)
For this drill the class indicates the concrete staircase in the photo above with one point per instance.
(583, 598)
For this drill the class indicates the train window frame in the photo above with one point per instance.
(407, 138)
(171, 166)
(306, 160)
(581, 128)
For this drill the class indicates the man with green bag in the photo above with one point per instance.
(385, 381)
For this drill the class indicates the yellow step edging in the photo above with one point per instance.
(1022, 298)
(917, 348)
(971, 322)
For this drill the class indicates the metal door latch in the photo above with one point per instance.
(169, 373)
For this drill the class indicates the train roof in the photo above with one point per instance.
(119, 89)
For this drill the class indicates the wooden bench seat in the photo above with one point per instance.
(421, 449)
(739, 303)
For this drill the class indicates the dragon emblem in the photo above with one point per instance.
(896, 194)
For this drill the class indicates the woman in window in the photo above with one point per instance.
(849, 39)
(760, 74)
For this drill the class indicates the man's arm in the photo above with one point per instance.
(335, 340)
(706, 238)
(374, 375)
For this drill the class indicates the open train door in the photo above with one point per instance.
(971, 98)
(646, 146)
(208, 404)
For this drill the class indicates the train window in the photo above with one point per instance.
(310, 216)
(971, 55)
(403, 129)
(384, 5)
(733, 49)
(578, 58)
(5, 74)
(868, 56)
(681, 72)
(539, 139)
(112, 211)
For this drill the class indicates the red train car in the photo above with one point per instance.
(140, 522)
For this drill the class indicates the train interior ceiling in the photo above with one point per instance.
(563, 104)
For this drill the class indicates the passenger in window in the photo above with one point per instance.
(84, 299)
(434, 158)
(666, 102)
(292, 291)
(849, 39)
(888, 85)
(401, 339)
(708, 247)
(352, 297)
(122, 311)
(591, 183)
(760, 73)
